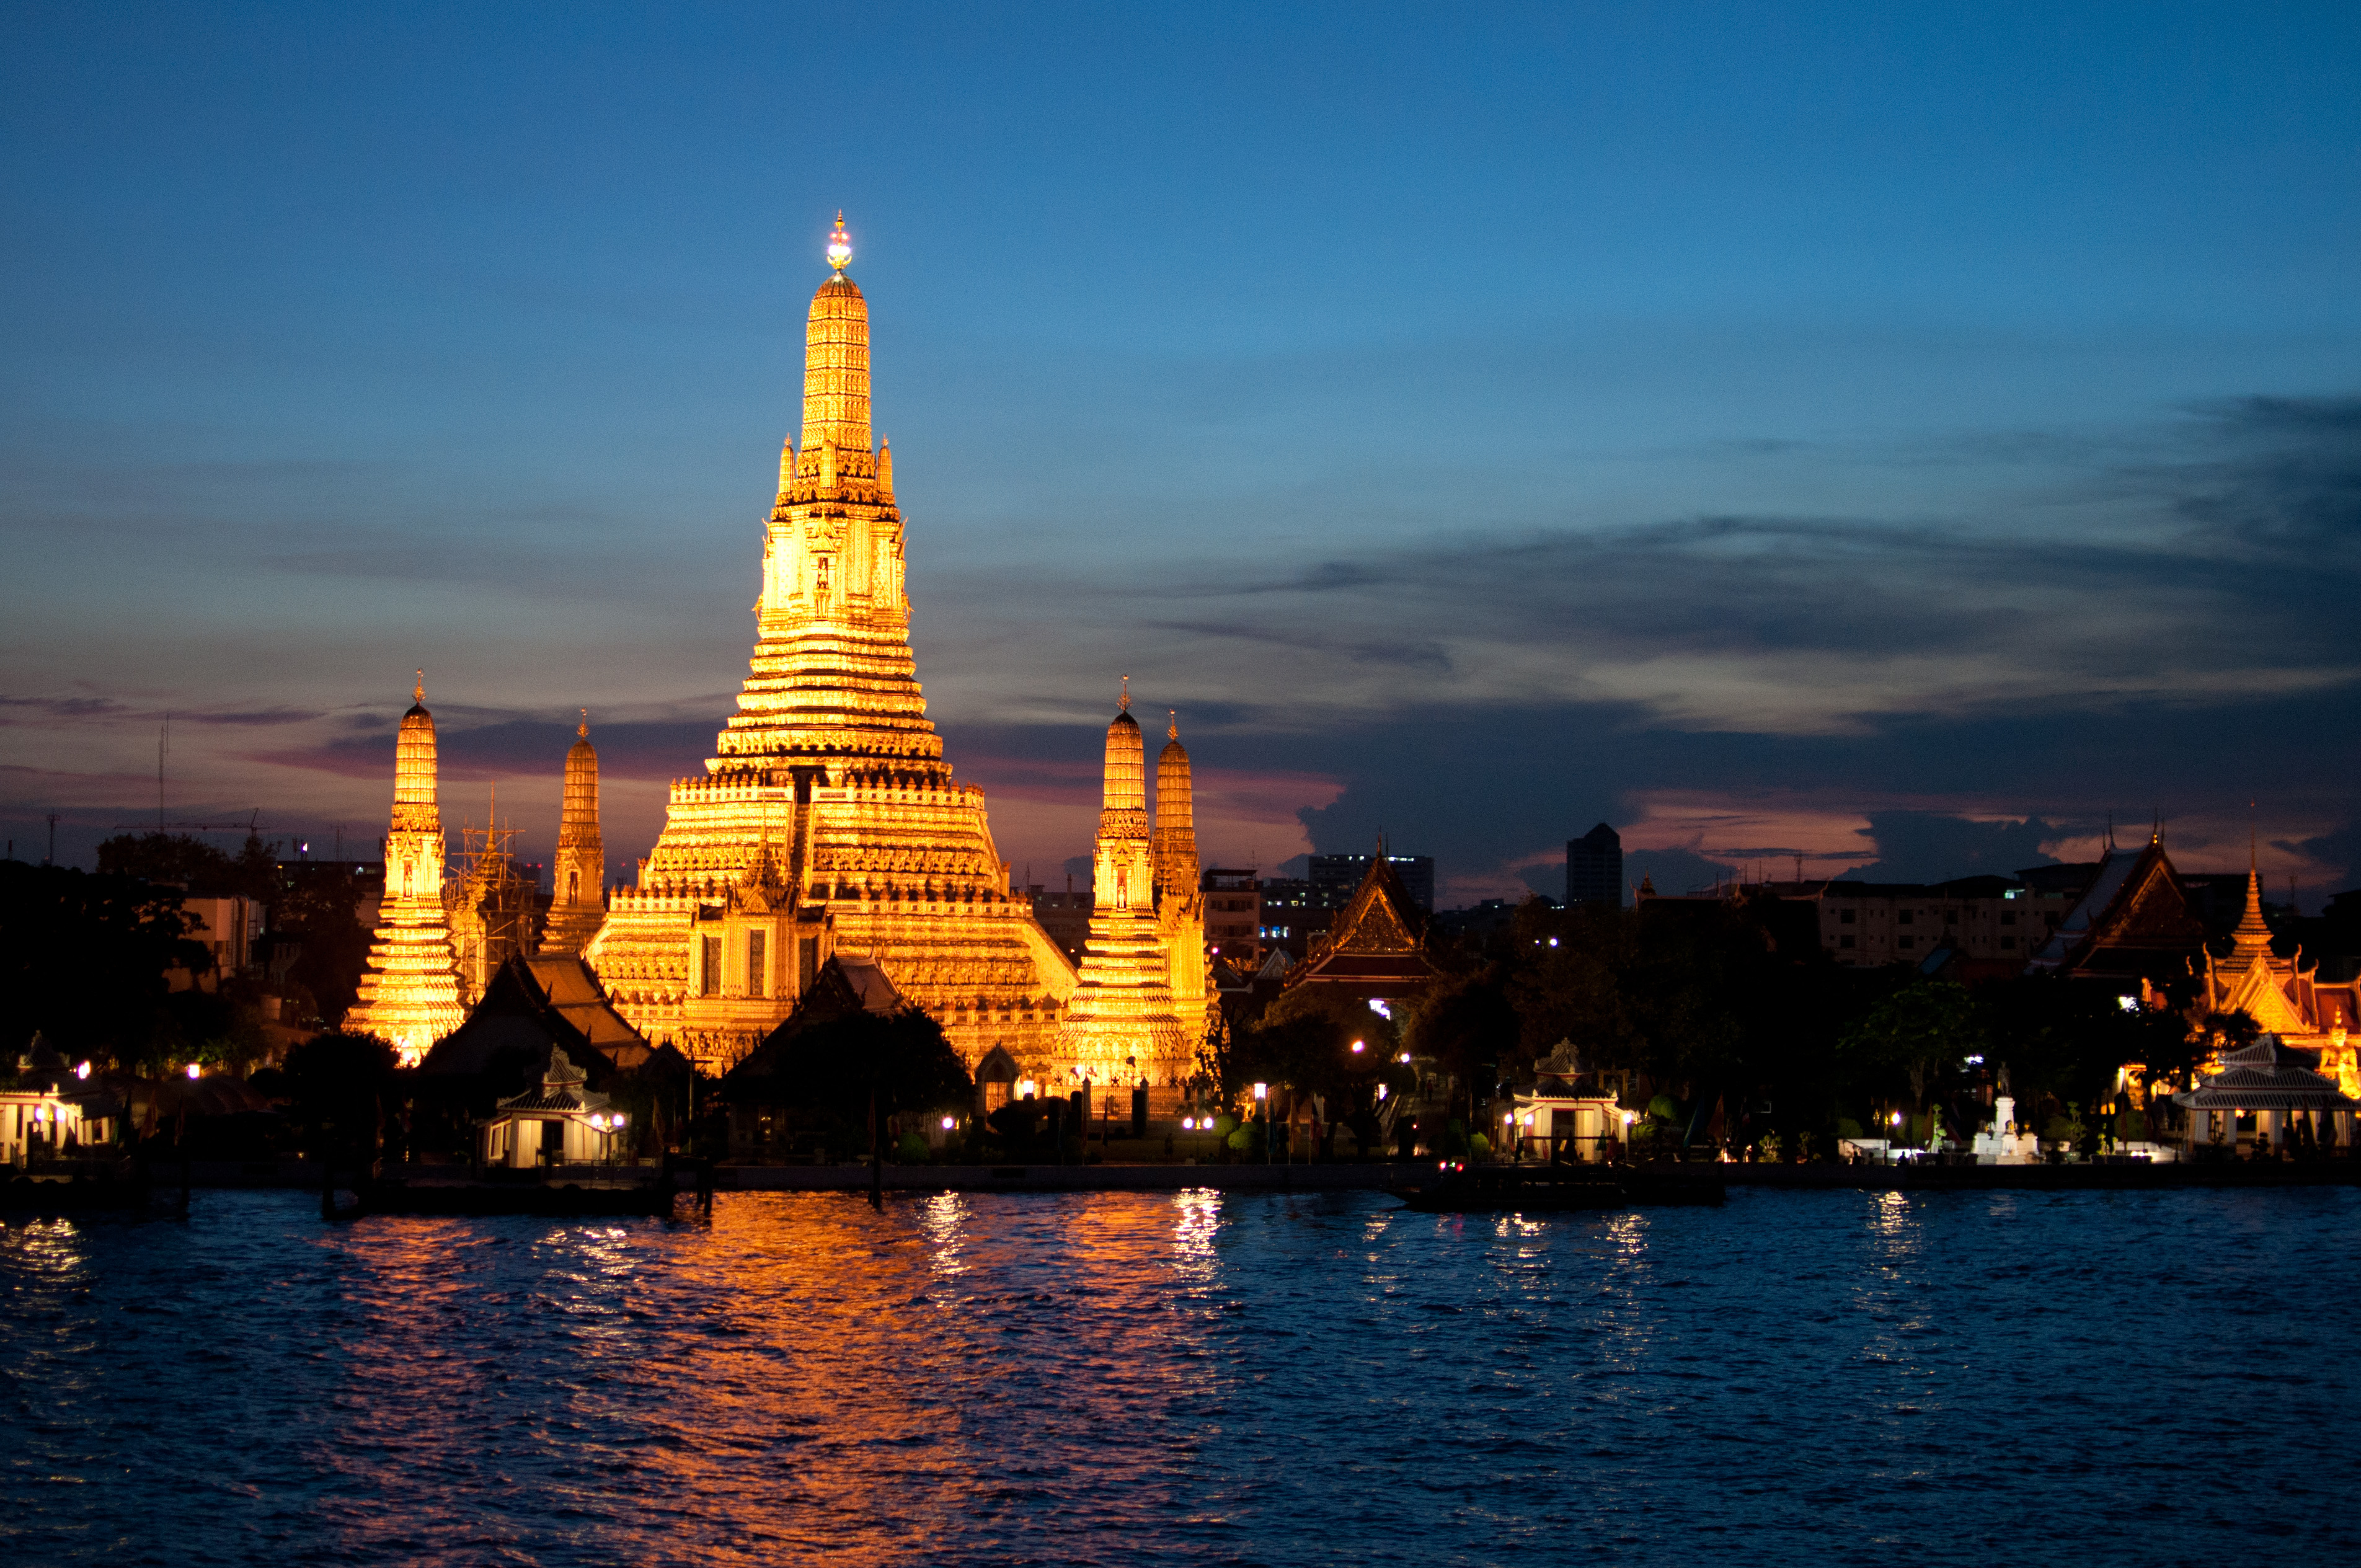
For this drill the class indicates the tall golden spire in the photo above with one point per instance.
(1120, 1026)
(2253, 930)
(836, 369)
(579, 868)
(830, 773)
(1175, 815)
(1125, 785)
(409, 995)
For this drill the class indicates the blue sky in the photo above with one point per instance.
(1823, 431)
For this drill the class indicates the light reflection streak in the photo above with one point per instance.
(989, 1378)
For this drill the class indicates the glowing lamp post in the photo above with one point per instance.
(1262, 1099)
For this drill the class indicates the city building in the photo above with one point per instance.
(1233, 918)
(578, 903)
(229, 930)
(1594, 868)
(1990, 926)
(1121, 1026)
(1292, 913)
(1339, 876)
(410, 992)
(829, 819)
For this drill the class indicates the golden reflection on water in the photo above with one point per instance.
(1135, 1378)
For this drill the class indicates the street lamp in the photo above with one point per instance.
(194, 1070)
(1358, 1047)
(1262, 1097)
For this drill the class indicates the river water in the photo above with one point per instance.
(1146, 1379)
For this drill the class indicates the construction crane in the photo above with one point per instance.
(252, 825)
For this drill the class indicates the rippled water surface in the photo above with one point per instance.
(1137, 1378)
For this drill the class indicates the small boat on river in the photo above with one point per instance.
(1561, 1189)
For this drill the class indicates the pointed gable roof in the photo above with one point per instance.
(1374, 945)
(532, 1006)
(847, 983)
(2132, 921)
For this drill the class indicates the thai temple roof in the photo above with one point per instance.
(2267, 1076)
(2132, 921)
(1373, 945)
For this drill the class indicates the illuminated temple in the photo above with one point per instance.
(1123, 1023)
(410, 992)
(578, 871)
(2284, 996)
(827, 820)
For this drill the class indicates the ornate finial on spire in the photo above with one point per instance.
(418, 692)
(839, 244)
(1172, 728)
(582, 731)
(1127, 694)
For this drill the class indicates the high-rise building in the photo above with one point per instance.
(829, 820)
(410, 992)
(578, 900)
(1233, 913)
(1336, 878)
(1594, 868)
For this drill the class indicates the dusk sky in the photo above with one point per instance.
(1897, 437)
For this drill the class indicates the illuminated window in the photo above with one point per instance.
(758, 963)
(708, 978)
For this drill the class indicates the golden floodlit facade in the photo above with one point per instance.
(578, 871)
(410, 992)
(829, 820)
(1121, 1025)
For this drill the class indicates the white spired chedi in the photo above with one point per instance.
(827, 820)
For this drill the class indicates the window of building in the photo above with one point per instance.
(2008, 944)
(708, 969)
(1844, 941)
(758, 968)
(2008, 917)
(1908, 942)
(1844, 917)
(1903, 918)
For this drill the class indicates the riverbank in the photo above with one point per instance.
(1351, 1177)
